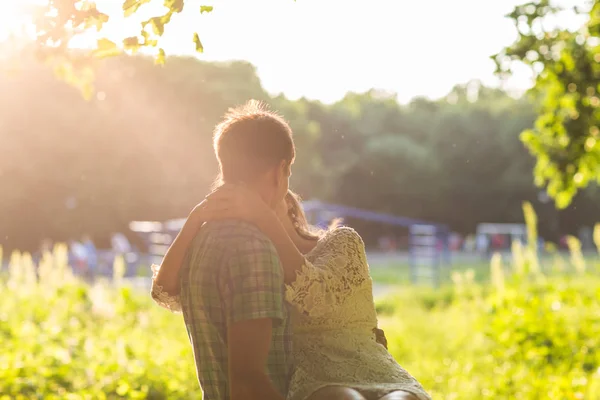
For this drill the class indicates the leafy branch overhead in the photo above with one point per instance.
(566, 65)
(59, 21)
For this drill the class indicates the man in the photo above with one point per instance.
(232, 291)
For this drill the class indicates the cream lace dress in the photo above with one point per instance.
(333, 316)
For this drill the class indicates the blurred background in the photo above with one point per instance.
(408, 121)
(395, 108)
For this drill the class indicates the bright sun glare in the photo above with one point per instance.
(311, 29)
(13, 18)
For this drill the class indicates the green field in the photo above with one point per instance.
(398, 273)
(522, 335)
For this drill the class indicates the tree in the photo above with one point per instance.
(57, 22)
(141, 149)
(566, 65)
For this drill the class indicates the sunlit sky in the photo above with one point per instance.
(321, 49)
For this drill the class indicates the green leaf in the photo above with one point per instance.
(198, 43)
(106, 48)
(563, 66)
(147, 40)
(158, 27)
(131, 6)
(160, 58)
(96, 21)
(132, 43)
(175, 6)
(205, 9)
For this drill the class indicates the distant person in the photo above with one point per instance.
(120, 244)
(498, 242)
(454, 241)
(46, 246)
(385, 243)
(258, 250)
(541, 245)
(563, 242)
(586, 237)
(469, 244)
(121, 247)
(78, 254)
(483, 244)
(91, 255)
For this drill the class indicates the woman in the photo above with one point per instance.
(328, 284)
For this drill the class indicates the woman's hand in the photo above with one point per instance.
(234, 202)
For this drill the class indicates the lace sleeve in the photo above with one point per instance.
(162, 298)
(322, 287)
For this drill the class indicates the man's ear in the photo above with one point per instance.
(281, 172)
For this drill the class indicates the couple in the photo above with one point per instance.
(274, 309)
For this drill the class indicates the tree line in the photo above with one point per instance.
(141, 149)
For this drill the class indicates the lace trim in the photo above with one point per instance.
(162, 298)
(311, 292)
(321, 289)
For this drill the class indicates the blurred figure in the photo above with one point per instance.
(120, 244)
(78, 257)
(454, 241)
(469, 244)
(91, 255)
(586, 237)
(121, 247)
(47, 246)
(563, 242)
(385, 243)
(483, 244)
(498, 242)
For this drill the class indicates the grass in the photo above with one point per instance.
(65, 339)
(539, 340)
(398, 273)
(525, 333)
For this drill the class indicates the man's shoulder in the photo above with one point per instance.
(218, 241)
(234, 232)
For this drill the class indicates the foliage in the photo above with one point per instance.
(69, 339)
(522, 336)
(539, 340)
(526, 335)
(566, 64)
(142, 150)
(57, 22)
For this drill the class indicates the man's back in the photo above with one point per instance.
(231, 274)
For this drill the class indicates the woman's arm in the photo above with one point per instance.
(165, 282)
(239, 202)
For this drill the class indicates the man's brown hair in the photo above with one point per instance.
(250, 140)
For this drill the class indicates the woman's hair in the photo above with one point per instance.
(298, 217)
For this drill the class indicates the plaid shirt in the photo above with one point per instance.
(232, 273)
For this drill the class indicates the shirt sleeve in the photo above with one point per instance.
(162, 298)
(323, 287)
(256, 281)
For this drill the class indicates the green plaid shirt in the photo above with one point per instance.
(232, 273)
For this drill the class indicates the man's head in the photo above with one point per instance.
(254, 146)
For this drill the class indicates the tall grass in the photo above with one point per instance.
(529, 333)
(65, 339)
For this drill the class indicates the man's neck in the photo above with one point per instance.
(265, 193)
